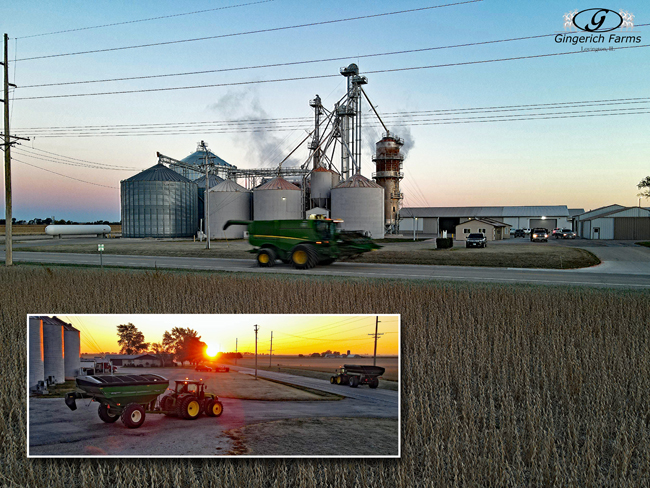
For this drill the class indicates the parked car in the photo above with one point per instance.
(539, 234)
(527, 231)
(203, 367)
(557, 232)
(520, 233)
(476, 240)
(567, 234)
(221, 369)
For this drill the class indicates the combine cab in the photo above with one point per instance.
(303, 243)
(131, 397)
(355, 375)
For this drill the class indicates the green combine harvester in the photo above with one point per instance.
(304, 243)
(131, 397)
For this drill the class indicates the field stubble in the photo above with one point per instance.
(501, 385)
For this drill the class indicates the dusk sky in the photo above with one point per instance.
(292, 334)
(594, 156)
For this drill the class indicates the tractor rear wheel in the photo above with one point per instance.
(133, 415)
(332, 380)
(266, 257)
(213, 408)
(106, 415)
(189, 408)
(304, 256)
(338, 380)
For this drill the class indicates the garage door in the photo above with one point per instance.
(548, 224)
(632, 228)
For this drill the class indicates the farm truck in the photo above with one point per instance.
(355, 375)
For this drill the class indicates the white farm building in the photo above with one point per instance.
(614, 222)
(434, 220)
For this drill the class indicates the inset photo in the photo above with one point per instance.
(148, 385)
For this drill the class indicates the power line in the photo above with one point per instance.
(289, 63)
(301, 78)
(69, 163)
(65, 176)
(259, 31)
(145, 20)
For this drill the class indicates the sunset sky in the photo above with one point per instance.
(590, 159)
(292, 334)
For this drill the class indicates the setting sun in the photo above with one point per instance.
(212, 350)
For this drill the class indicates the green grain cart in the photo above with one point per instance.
(304, 243)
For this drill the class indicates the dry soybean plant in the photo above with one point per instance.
(501, 385)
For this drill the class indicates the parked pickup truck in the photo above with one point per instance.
(476, 240)
(539, 234)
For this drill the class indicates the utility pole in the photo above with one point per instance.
(374, 361)
(206, 198)
(256, 329)
(271, 353)
(7, 148)
(236, 344)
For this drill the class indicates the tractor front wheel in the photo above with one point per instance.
(214, 408)
(332, 380)
(190, 408)
(304, 256)
(133, 415)
(106, 415)
(266, 257)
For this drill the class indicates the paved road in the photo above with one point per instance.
(54, 430)
(590, 277)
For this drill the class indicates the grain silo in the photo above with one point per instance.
(159, 202)
(53, 361)
(322, 182)
(229, 201)
(36, 365)
(71, 349)
(359, 202)
(197, 158)
(277, 200)
(212, 181)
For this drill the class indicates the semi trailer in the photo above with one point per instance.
(355, 375)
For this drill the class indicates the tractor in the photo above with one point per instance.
(189, 399)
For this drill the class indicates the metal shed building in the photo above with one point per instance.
(615, 222)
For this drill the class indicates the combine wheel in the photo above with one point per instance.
(354, 381)
(213, 408)
(133, 415)
(189, 408)
(266, 257)
(304, 256)
(374, 383)
(106, 415)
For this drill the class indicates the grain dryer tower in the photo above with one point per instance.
(388, 174)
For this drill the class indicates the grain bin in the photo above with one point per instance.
(229, 201)
(321, 187)
(53, 360)
(359, 202)
(212, 181)
(71, 350)
(277, 200)
(36, 365)
(197, 159)
(159, 202)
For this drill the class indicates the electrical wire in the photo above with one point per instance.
(258, 31)
(69, 163)
(302, 78)
(65, 176)
(144, 20)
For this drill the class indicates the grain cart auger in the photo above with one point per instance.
(131, 397)
(303, 243)
(355, 375)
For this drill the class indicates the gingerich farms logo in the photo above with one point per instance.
(598, 26)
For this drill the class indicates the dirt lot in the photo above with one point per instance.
(336, 437)
(326, 366)
(515, 254)
(235, 385)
